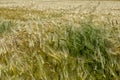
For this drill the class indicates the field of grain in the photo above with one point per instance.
(59, 40)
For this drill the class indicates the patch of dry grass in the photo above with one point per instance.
(25, 14)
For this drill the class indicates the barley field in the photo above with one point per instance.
(59, 40)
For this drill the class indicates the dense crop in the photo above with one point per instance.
(56, 45)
